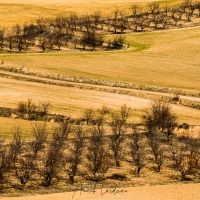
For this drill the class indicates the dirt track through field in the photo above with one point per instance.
(159, 192)
(133, 92)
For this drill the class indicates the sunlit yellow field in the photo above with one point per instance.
(20, 11)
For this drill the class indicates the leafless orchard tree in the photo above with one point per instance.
(4, 162)
(88, 115)
(166, 8)
(75, 156)
(125, 112)
(10, 154)
(137, 149)
(114, 20)
(73, 20)
(98, 157)
(117, 138)
(50, 167)
(19, 160)
(135, 10)
(2, 38)
(39, 132)
(97, 17)
(160, 119)
(185, 159)
(154, 7)
(158, 153)
(15, 147)
(10, 40)
(102, 112)
(53, 160)
(24, 169)
(91, 39)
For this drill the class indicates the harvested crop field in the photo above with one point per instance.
(14, 11)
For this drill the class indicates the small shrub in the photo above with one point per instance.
(119, 177)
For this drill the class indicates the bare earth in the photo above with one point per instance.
(159, 192)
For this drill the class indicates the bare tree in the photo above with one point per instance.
(102, 112)
(24, 169)
(117, 138)
(51, 166)
(114, 21)
(4, 162)
(98, 158)
(2, 38)
(22, 166)
(157, 151)
(125, 113)
(44, 107)
(19, 38)
(15, 147)
(53, 161)
(39, 132)
(10, 40)
(159, 118)
(30, 33)
(75, 155)
(88, 115)
(86, 22)
(137, 149)
(73, 21)
(184, 161)
(154, 7)
(43, 43)
(135, 10)
(41, 24)
(91, 38)
(97, 16)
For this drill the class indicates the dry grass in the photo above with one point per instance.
(19, 11)
(7, 125)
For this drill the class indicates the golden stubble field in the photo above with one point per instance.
(14, 11)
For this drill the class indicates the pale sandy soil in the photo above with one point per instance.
(159, 192)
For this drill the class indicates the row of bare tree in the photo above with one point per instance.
(89, 30)
(75, 153)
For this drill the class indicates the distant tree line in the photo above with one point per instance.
(88, 31)
(73, 153)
